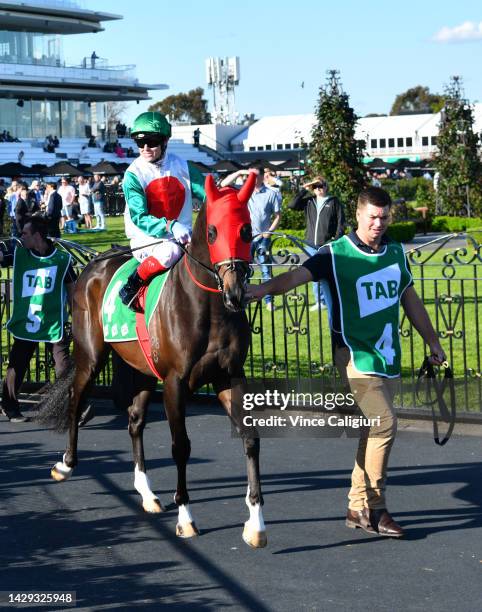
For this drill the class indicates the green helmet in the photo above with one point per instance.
(151, 122)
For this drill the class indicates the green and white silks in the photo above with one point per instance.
(158, 192)
(39, 296)
(369, 289)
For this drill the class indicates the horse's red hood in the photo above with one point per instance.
(228, 222)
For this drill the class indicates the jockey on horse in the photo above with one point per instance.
(158, 188)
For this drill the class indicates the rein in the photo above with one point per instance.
(427, 370)
(196, 282)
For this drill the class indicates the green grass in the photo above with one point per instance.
(102, 240)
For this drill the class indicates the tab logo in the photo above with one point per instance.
(378, 290)
(39, 282)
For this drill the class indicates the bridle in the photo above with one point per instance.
(213, 272)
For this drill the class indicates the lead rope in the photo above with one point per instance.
(427, 370)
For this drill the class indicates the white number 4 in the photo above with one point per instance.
(384, 344)
(33, 323)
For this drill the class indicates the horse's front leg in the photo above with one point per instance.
(254, 533)
(137, 420)
(175, 407)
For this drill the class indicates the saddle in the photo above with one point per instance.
(119, 322)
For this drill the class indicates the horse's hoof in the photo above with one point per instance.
(188, 530)
(153, 506)
(253, 538)
(60, 473)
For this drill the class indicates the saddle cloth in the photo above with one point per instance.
(119, 322)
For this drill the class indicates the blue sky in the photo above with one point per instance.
(380, 50)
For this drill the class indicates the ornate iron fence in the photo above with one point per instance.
(294, 342)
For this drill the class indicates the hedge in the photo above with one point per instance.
(455, 224)
(403, 231)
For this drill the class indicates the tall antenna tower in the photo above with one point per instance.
(222, 74)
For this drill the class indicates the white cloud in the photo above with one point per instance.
(469, 30)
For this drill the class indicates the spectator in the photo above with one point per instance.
(20, 157)
(3, 205)
(196, 135)
(34, 197)
(119, 151)
(84, 201)
(92, 143)
(67, 193)
(21, 210)
(55, 142)
(93, 57)
(53, 209)
(272, 181)
(10, 138)
(265, 212)
(325, 221)
(98, 197)
(11, 197)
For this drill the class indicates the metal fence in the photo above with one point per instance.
(293, 342)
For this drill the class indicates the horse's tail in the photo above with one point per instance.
(54, 408)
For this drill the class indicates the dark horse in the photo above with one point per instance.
(199, 334)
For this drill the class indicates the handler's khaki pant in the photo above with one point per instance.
(374, 395)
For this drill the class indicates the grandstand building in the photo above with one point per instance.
(40, 93)
(389, 138)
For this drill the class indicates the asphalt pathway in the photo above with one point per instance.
(91, 536)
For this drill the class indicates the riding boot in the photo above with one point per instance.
(129, 291)
(148, 268)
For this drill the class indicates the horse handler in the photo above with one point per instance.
(365, 278)
(158, 188)
(43, 278)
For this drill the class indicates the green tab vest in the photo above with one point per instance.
(369, 289)
(38, 296)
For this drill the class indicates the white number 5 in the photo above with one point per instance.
(384, 344)
(33, 323)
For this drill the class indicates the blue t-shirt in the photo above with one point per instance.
(263, 205)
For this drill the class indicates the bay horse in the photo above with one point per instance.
(199, 334)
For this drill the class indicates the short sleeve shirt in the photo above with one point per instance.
(263, 205)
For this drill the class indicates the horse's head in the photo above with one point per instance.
(229, 237)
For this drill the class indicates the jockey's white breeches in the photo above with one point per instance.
(167, 253)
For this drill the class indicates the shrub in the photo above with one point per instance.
(402, 232)
(405, 189)
(291, 219)
(455, 224)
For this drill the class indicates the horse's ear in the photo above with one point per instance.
(212, 191)
(247, 189)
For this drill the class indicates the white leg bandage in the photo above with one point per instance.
(255, 521)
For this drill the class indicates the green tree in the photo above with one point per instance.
(188, 107)
(334, 152)
(417, 100)
(457, 161)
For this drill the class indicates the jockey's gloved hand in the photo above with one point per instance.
(180, 232)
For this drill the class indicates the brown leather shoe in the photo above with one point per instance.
(359, 518)
(384, 525)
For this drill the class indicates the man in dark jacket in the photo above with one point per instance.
(53, 209)
(325, 221)
(21, 211)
